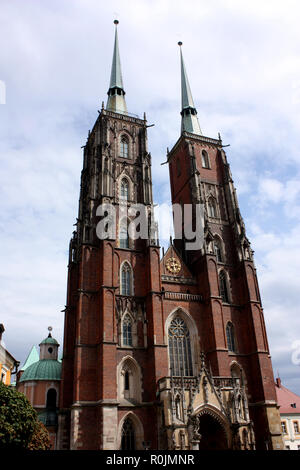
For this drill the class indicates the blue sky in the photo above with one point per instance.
(243, 62)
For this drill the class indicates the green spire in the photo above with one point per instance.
(116, 94)
(32, 357)
(189, 121)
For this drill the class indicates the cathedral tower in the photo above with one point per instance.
(164, 353)
(231, 316)
(111, 283)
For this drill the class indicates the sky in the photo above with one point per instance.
(243, 63)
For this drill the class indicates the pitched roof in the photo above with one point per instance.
(286, 398)
(173, 253)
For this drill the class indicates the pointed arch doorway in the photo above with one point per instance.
(130, 433)
(213, 434)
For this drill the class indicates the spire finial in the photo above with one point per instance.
(50, 329)
(189, 121)
(116, 94)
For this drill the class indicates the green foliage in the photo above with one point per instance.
(40, 438)
(19, 427)
(17, 418)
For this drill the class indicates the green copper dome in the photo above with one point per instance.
(45, 369)
(49, 340)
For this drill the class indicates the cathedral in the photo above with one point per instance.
(171, 352)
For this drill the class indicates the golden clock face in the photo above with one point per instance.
(173, 265)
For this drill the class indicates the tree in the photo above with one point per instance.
(19, 427)
(40, 438)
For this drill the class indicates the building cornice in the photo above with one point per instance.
(129, 117)
(198, 138)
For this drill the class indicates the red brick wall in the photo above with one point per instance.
(91, 351)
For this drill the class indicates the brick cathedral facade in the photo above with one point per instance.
(171, 352)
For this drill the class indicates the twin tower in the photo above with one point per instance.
(171, 352)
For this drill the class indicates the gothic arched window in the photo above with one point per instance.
(127, 331)
(124, 144)
(218, 250)
(180, 348)
(212, 208)
(124, 236)
(223, 287)
(129, 381)
(205, 159)
(230, 337)
(124, 189)
(126, 280)
(128, 435)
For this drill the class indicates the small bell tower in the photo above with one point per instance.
(49, 347)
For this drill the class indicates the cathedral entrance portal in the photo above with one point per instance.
(213, 435)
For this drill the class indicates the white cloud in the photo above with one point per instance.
(278, 266)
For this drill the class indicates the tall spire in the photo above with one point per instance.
(116, 94)
(189, 121)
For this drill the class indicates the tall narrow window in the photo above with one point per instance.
(178, 407)
(128, 435)
(180, 348)
(124, 147)
(126, 284)
(124, 189)
(223, 287)
(218, 250)
(126, 381)
(124, 236)
(283, 427)
(212, 208)
(205, 159)
(230, 337)
(127, 331)
(147, 184)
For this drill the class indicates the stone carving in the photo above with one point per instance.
(205, 389)
(193, 427)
